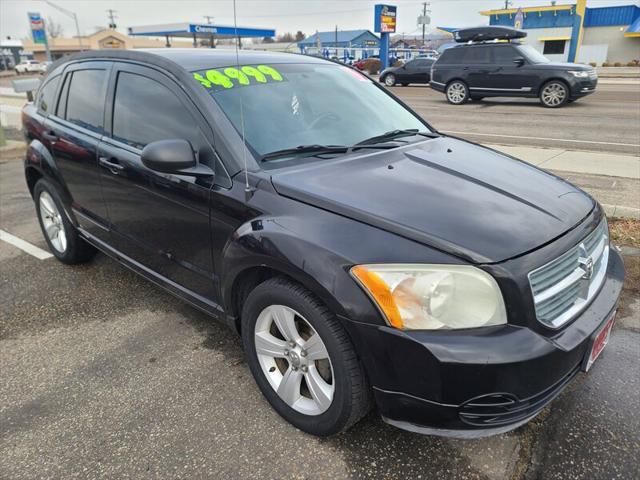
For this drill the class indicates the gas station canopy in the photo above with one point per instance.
(196, 30)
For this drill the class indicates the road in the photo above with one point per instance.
(105, 375)
(606, 121)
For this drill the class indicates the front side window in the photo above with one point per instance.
(85, 101)
(289, 105)
(531, 54)
(505, 55)
(46, 97)
(145, 111)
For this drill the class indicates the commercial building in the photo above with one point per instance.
(179, 35)
(340, 39)
(576, 32)
(102, 39)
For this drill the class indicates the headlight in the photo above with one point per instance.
(433, 297)
(579, 73)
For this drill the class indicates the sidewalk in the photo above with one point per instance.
(614, 180)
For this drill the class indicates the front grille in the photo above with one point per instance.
(563, 287)
(592, 74)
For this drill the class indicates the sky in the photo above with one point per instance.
(283, 15)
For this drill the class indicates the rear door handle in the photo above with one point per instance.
(112, 164)
(50, 136)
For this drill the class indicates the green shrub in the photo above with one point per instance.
(617, 64)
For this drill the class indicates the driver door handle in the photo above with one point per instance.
(112, 164)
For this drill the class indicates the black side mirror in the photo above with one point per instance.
(173, 156)
(519, 61)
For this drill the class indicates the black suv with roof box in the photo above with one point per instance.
(491, 68)
(363, 257)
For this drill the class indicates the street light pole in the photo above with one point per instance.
(68, 13)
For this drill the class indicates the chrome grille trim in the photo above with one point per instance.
(562, 288)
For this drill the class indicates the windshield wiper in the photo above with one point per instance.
(319, 149)
(300, 149)
(393, 134)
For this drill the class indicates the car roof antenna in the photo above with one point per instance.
(248, 190)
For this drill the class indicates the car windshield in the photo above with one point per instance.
(291, 105)
(531, 54)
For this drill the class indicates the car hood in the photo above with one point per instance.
(453, 195)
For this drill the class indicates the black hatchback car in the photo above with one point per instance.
(417, 70)
(363, 257)
(478, 70)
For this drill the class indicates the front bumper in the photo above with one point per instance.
(478, 382)
(583, 86)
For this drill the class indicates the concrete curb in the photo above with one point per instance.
(621, 211)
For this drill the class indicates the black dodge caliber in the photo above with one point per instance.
(365, 259)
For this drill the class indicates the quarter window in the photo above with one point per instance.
(145, 111)
(46, 97)
(85, 102)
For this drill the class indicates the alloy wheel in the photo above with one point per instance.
(457, 92)
(52, 222)
(294, 359)
(554, 94)
(390, 80)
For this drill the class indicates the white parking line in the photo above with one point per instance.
(24, 246)
(541, 138)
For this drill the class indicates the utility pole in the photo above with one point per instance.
(209, 19)
(336, 41)
(507, 4)
(71, 14)
(112, 18)
(424, 15)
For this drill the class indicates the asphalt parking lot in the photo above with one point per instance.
(103, 375)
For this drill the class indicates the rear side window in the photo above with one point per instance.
(466, 55)
(505, 55)
(145, 111)
(46, 96)
(85, 101)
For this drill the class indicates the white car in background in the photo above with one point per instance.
(31, 66)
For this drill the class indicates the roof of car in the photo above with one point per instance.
(192, 59)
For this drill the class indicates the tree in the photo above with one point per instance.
(300, 36)
(54, 29)
(285, 37)
(267, 39)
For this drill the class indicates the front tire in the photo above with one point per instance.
(61, 236)
(554, 94)
(390, 80)
(457, 92)
(302, 359)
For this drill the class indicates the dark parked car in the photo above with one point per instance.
(509, 69)
(364, 258)
(417, 70)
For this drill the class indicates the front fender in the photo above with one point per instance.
(266, 242)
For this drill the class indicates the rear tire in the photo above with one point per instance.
(457, 92)
(61, 236)
(554, 94)
(302, 359)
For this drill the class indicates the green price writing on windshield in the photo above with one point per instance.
(231, 76)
